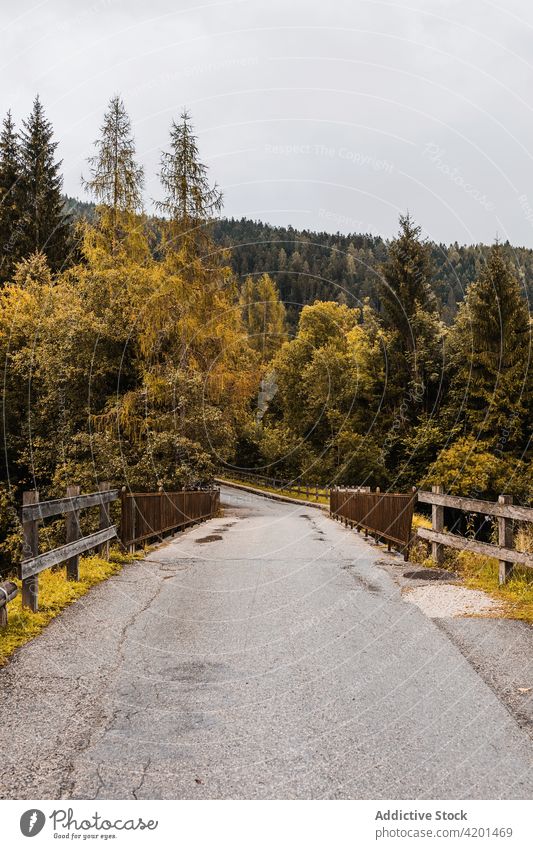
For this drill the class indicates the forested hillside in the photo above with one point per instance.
(134, 349)
(309, 266)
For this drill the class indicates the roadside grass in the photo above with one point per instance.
(55, 593)
(322, 499)
(481, 573)
(420, 521)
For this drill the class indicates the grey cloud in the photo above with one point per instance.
(319, 115)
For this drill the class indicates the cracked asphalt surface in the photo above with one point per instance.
(276, 660)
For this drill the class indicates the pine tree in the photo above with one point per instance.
(404, 287)
(10, 187)
(190, 201)
(44, 225)
(490, 350)
(116, 179)
(409, 313)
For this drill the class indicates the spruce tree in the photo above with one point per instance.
(490, 351)
(116, 179)
(190, 202)
(44, 225)
(10, 188)
(405, 283)
(409, 313)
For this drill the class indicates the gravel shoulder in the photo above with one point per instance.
(498, 648)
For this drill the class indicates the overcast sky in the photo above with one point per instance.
(330, 115)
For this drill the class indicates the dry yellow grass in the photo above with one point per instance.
(55, 593)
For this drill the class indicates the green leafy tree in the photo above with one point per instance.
(264, 315)
(329, 382)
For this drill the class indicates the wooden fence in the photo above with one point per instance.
(34, 511)
(311, 492)
(387, 515)
(8, 591)
(504, 510)
(143, 515)
(152, 514)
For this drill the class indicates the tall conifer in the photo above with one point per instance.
(10, 187)
(490, 348)
(44, 225)
(190, 201)
(116, 179)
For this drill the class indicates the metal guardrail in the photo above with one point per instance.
(302, 490)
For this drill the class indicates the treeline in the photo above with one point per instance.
(309, 266)
(397, 398)
(134, 349)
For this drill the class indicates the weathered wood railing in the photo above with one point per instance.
(34, 511)
(311, 492)
(8, 591)
(152, 514)
(386, 515)
(505, 512)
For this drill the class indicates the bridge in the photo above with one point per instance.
(266, 653)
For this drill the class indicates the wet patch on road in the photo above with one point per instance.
(367, 585)
(209, 538)
(194, 671)
(431, 575)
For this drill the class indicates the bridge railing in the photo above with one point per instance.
(295, 487)
(143, 516)
(34, 511)
(146, 515)
(386, 515)
(503, 510)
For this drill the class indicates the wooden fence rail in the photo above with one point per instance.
(387, 515)
(152, 514)
(505, 512)
(312, 492)
(144, 515)
(34, 511)
(8, 591)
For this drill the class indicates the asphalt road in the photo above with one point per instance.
(276, 660)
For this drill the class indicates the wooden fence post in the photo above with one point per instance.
(105, 521)
(505, 538)
(72, 526)
(30, 548)
(133, 507)
(437, 524)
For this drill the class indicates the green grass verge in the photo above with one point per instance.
(55, 593)
(322, 499)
